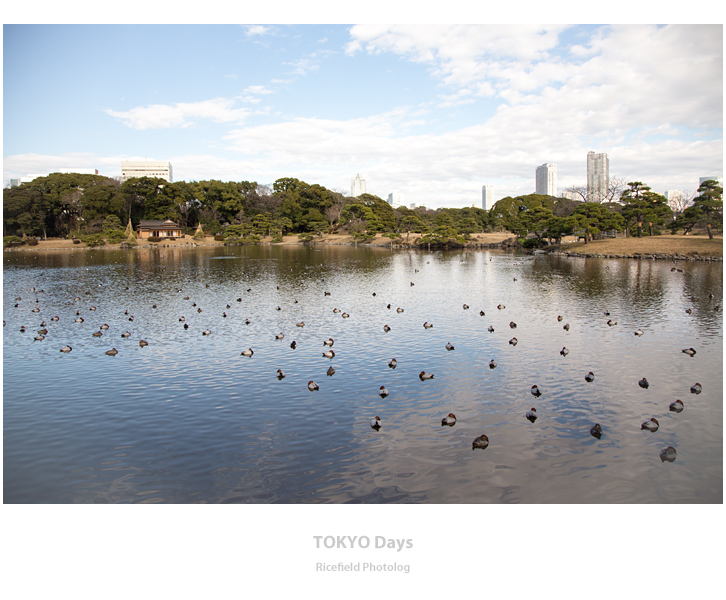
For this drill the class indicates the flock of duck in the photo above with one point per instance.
(481, 442)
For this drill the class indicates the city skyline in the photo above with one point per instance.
(429, 111)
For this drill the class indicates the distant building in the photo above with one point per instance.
(146, 168)
(546, 180)
(395, 199)
(571, 195)
(166, 228)
(357, 186)
(487, 196)
(598, 176)
(28, 178)
(715, 178)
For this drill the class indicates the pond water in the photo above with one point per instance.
(188, 419)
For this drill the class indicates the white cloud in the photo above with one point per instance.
(182, 114)
(251, 30)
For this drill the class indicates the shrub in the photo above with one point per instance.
(276, 239)
(95, 239)
(154, 238)
(32, 241)
(305, 237)
(114, 236)
(218, 237)
(76, 241)
(11, 240)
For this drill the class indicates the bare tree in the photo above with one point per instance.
(333, 212)
(680, 202)
(616, 186)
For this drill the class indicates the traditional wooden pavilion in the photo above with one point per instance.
(159, 229)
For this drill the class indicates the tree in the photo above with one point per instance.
(641, 206)
(595, 218)
(707, 209)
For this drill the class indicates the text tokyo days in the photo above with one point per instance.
(362, 541)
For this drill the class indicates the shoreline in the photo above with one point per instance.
(664, 247)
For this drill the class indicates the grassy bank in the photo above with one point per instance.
(691, 246)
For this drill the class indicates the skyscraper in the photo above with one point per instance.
(487, 196)
(146, 168)
(357, 186)
(546, 179)
(598, 175)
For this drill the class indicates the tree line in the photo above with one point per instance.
(72, 204)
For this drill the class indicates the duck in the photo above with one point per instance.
(428, 325)
(512, 325)
(104, 326)
(566, 327)
(97, 333)
(644, 383)
(66, 349)
(688, 311)
(559, 318)
(393, 363)
(330, 372)
(143, 343)
(466, 307)
(612, 323)
(399, 310)
(492, 364)
(293, 345)
(186, 325)
(43, 331)
(481, 313)
(449, 420)
(206, 332)
(280, 374)
(564, 351)
(668, 454)
(300, 324)
(639, 332)
(535, 391)
(248, 352)
(596, 431)
(329, 354)
(79, 320)
(376, 423)
(247, 321)
(689, 351)
(480, 442)
(279, 336)
(651, 424)
(500, 306)
(312, 386)
(182, 319)
(696, 388)
(336, 310)
(490, 329)
(54, 318)
(590, 377)
(112, 352)
(329, 342)
(531, 414)
(513, 342)
(382, 391)
(224, 314)
(676, 406)
(345, 315)
(449, 346)
(126, 334)
(424, 375)
(386, 328)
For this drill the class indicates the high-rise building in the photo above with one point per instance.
(395, 199)
(146, 168)
(546, 180)
(487, 196)
(715, 178)
(598, 176)
(357, 186)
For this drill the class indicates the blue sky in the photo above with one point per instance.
(430, 111)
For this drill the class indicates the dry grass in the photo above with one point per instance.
(661, 244)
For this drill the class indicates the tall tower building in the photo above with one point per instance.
(357, 186)
(546, 179)
(598, 176)
(487, 196)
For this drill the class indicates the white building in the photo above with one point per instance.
(546, 180)
(487, 196)
(357, 186)
(146, 168)
(395, 199)
(716, 178)
(29, 177)
(598, 176)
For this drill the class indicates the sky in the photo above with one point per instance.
(432, 112)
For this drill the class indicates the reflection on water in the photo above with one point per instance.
(188, 419)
